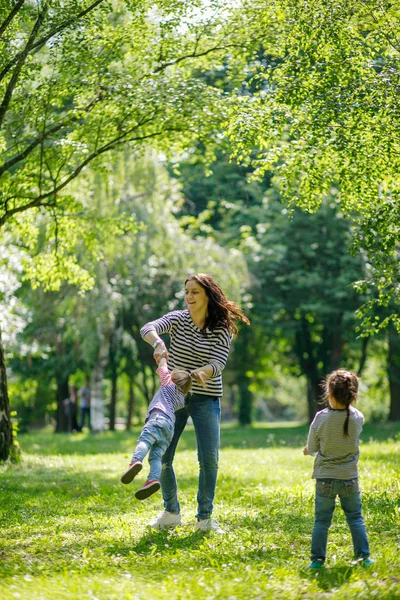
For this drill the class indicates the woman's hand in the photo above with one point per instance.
(160, 352)
(305, 451)
(199, 376)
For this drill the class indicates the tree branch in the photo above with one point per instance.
(13, 82)
(51, 34)
(38, 200)
(10, 17)
(22, 155)
(193, 55)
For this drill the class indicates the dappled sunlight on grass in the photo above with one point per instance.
(64, 510)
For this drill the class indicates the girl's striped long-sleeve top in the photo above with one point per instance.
(168, 397)
(190, 349)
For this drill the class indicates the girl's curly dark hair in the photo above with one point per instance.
(221, 311)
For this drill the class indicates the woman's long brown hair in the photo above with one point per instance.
(221, 311)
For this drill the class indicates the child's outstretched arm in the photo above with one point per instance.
(163, 373)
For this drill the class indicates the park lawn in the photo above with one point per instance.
(70, 529)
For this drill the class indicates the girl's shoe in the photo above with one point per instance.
(316, 564)
(368, 562)
(149, 488)
(134, 468)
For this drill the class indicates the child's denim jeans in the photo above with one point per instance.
(325, 497)
(156, 436)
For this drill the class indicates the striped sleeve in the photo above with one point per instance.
(220, 352)
(164, 324)
(312, 442)
(164, 375)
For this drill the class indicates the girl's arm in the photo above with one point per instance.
(312, 442)
(163, 373)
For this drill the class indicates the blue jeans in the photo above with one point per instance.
(156, 436)
(85, 410)
(325, 497)
(206, 413)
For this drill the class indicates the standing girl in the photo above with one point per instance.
(334, 438)
(200, 339)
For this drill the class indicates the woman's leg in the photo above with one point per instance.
(206, 414)
(169, 486)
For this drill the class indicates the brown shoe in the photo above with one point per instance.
(131, 472)
(149, 488)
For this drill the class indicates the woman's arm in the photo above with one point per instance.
(151, 332)
(202, 373)
(160, 349)
(220, 353)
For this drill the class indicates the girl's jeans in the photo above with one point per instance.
(156, 436)
(205, 412)
(349, 494)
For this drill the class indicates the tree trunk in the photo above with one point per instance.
(6, 435)
(131, 402)
(363, 358)
(245, 400)
(96, 401)
(393, 369)
(113, 400)
(306, 354)
(314, 395)
(62, 394)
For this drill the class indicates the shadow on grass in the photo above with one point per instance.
(160, 541)
(265, 435)
(46, 443)
(329, 578)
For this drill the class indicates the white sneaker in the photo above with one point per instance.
(166, 520)
(205, 525)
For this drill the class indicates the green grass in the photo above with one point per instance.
(70, 530)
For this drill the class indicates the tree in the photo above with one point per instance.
(138, 275)
(6, 433)
(78, 79)
(322, 112)
(393, 368)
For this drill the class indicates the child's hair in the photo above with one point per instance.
(182, 379)
(343, 386)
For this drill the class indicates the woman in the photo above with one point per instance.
(200, 341)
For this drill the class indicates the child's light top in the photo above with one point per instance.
(336, 454)
(168, 398)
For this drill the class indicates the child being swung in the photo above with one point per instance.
(334, 440)
(159, 424)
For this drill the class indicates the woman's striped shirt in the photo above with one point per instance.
(190, 349)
